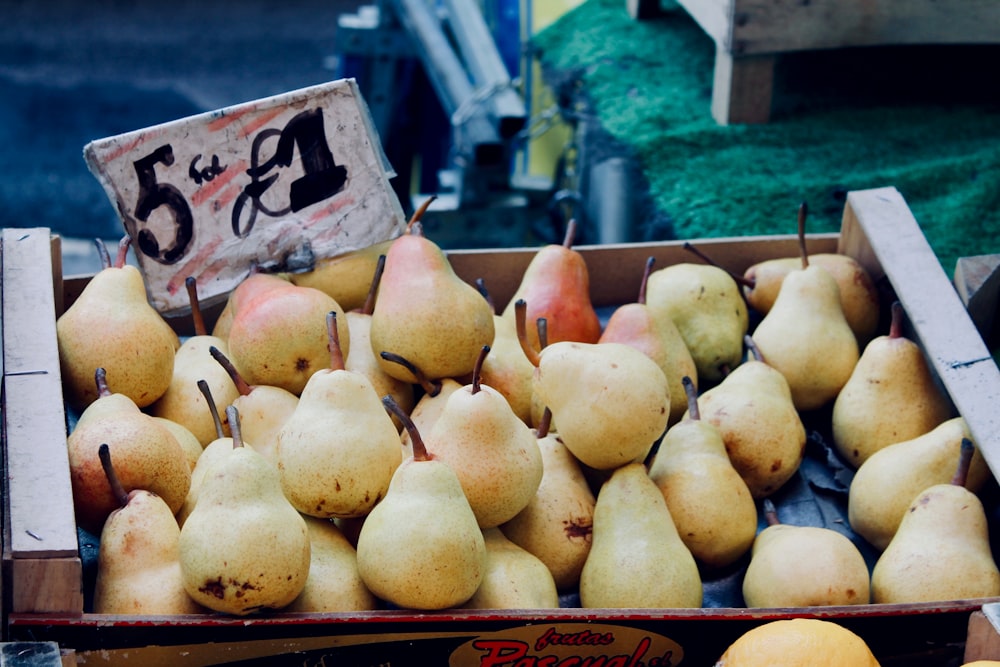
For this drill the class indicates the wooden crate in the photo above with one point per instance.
(750, 35)
(42, 584)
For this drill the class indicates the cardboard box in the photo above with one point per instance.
(43, 563)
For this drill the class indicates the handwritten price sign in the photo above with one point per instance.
(213, 195)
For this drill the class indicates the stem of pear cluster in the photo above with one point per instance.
(896, 323)
(544, 424)
(964, 461)
(416, 442)
(414, 226)
(645, 279)
(481, 286)
(753, 349)
(117, 490)
(101, 380)
(477, 371)
(770, 513)
(333, 336)
(692, 398)
(123, 246)
(233, 417)
(206, 391)
(242, 385)
(542, 325)
(570, 236)
(198, 321)
(102, 252)
(369, 306)
(521, 324)
(803, 212)
(430, 387)
(698, 252)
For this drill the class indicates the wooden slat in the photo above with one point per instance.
(983, 641)
(40, 529)
(879, 230)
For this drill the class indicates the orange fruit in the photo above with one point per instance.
(982, 663)
(798, 642)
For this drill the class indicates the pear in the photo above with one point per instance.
(659, 338)
(514, 578)
(556, 286)
(182, 402)
(803, 566)
(763, 432)
(278, 337)
(706, 305)
(859, 296)
(805, 335)
(887, 482)
(147, 456)
(244, 548)
(138, 566)
(113, 326)
(609, 400)
(334, 583)
(362, 360)
(421, 547)
(255, 283)
(345, 277)
(339, 449)
(428, 409)
(263, 409)
(425, 313)
(637, 559)
(892, 395)
(711, 505)
(494, 454)
(190, 445)
(557, 523)
(941, 550)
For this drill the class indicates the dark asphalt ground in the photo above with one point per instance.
(72, 72)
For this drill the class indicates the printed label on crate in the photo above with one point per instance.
(275, 183)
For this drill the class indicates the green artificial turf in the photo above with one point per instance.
(922, 119)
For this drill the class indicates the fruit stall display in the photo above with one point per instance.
(684, 455)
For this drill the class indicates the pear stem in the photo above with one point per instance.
(692, 398)
(477, 371)
(753, 349)
(123, 246)
(333, 344)
(206, 391)
(102, 252)
(896, 323)
(544, 424)
(430, 387)
(101, 380)
(570, 236)
(481, 286)
(413, 226)
(697, 252)
(520, 321)
(645, 279)
(191, 284)
(233, 417)
(242, 385)
(369, 306)
(117, 490)
(542, 325)
(803, 213)
(964, 461)
(416, 442)
(770, 513)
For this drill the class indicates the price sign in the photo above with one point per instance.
(266, 183)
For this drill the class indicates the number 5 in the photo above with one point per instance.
(153, 195)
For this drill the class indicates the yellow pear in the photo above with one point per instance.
(113, 326)
(514, 578)
(421, 547)
(244, 548)
(941, 550)
(345, 277)
(887, 482)
(763, 432)
(138, 565)
(711, 505)
(190, 445)
(339, 449)
(892, 395)
(494, 454)
(147, 456)
(659, 338)
(637, 559)
(333, 583)
(425, 313)
(804, 566)
(428, 409)
(815, 642)
(557, 524)
(707, 307)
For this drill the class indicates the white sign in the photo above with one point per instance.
(265, 183)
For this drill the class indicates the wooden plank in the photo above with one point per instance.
(893, 240)
(742, 88)
(983, 640)
(46, 585)
(977, 280)
(714, 16)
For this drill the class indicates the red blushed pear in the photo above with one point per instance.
(556, 286)
(634, 325)
(425, 312)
